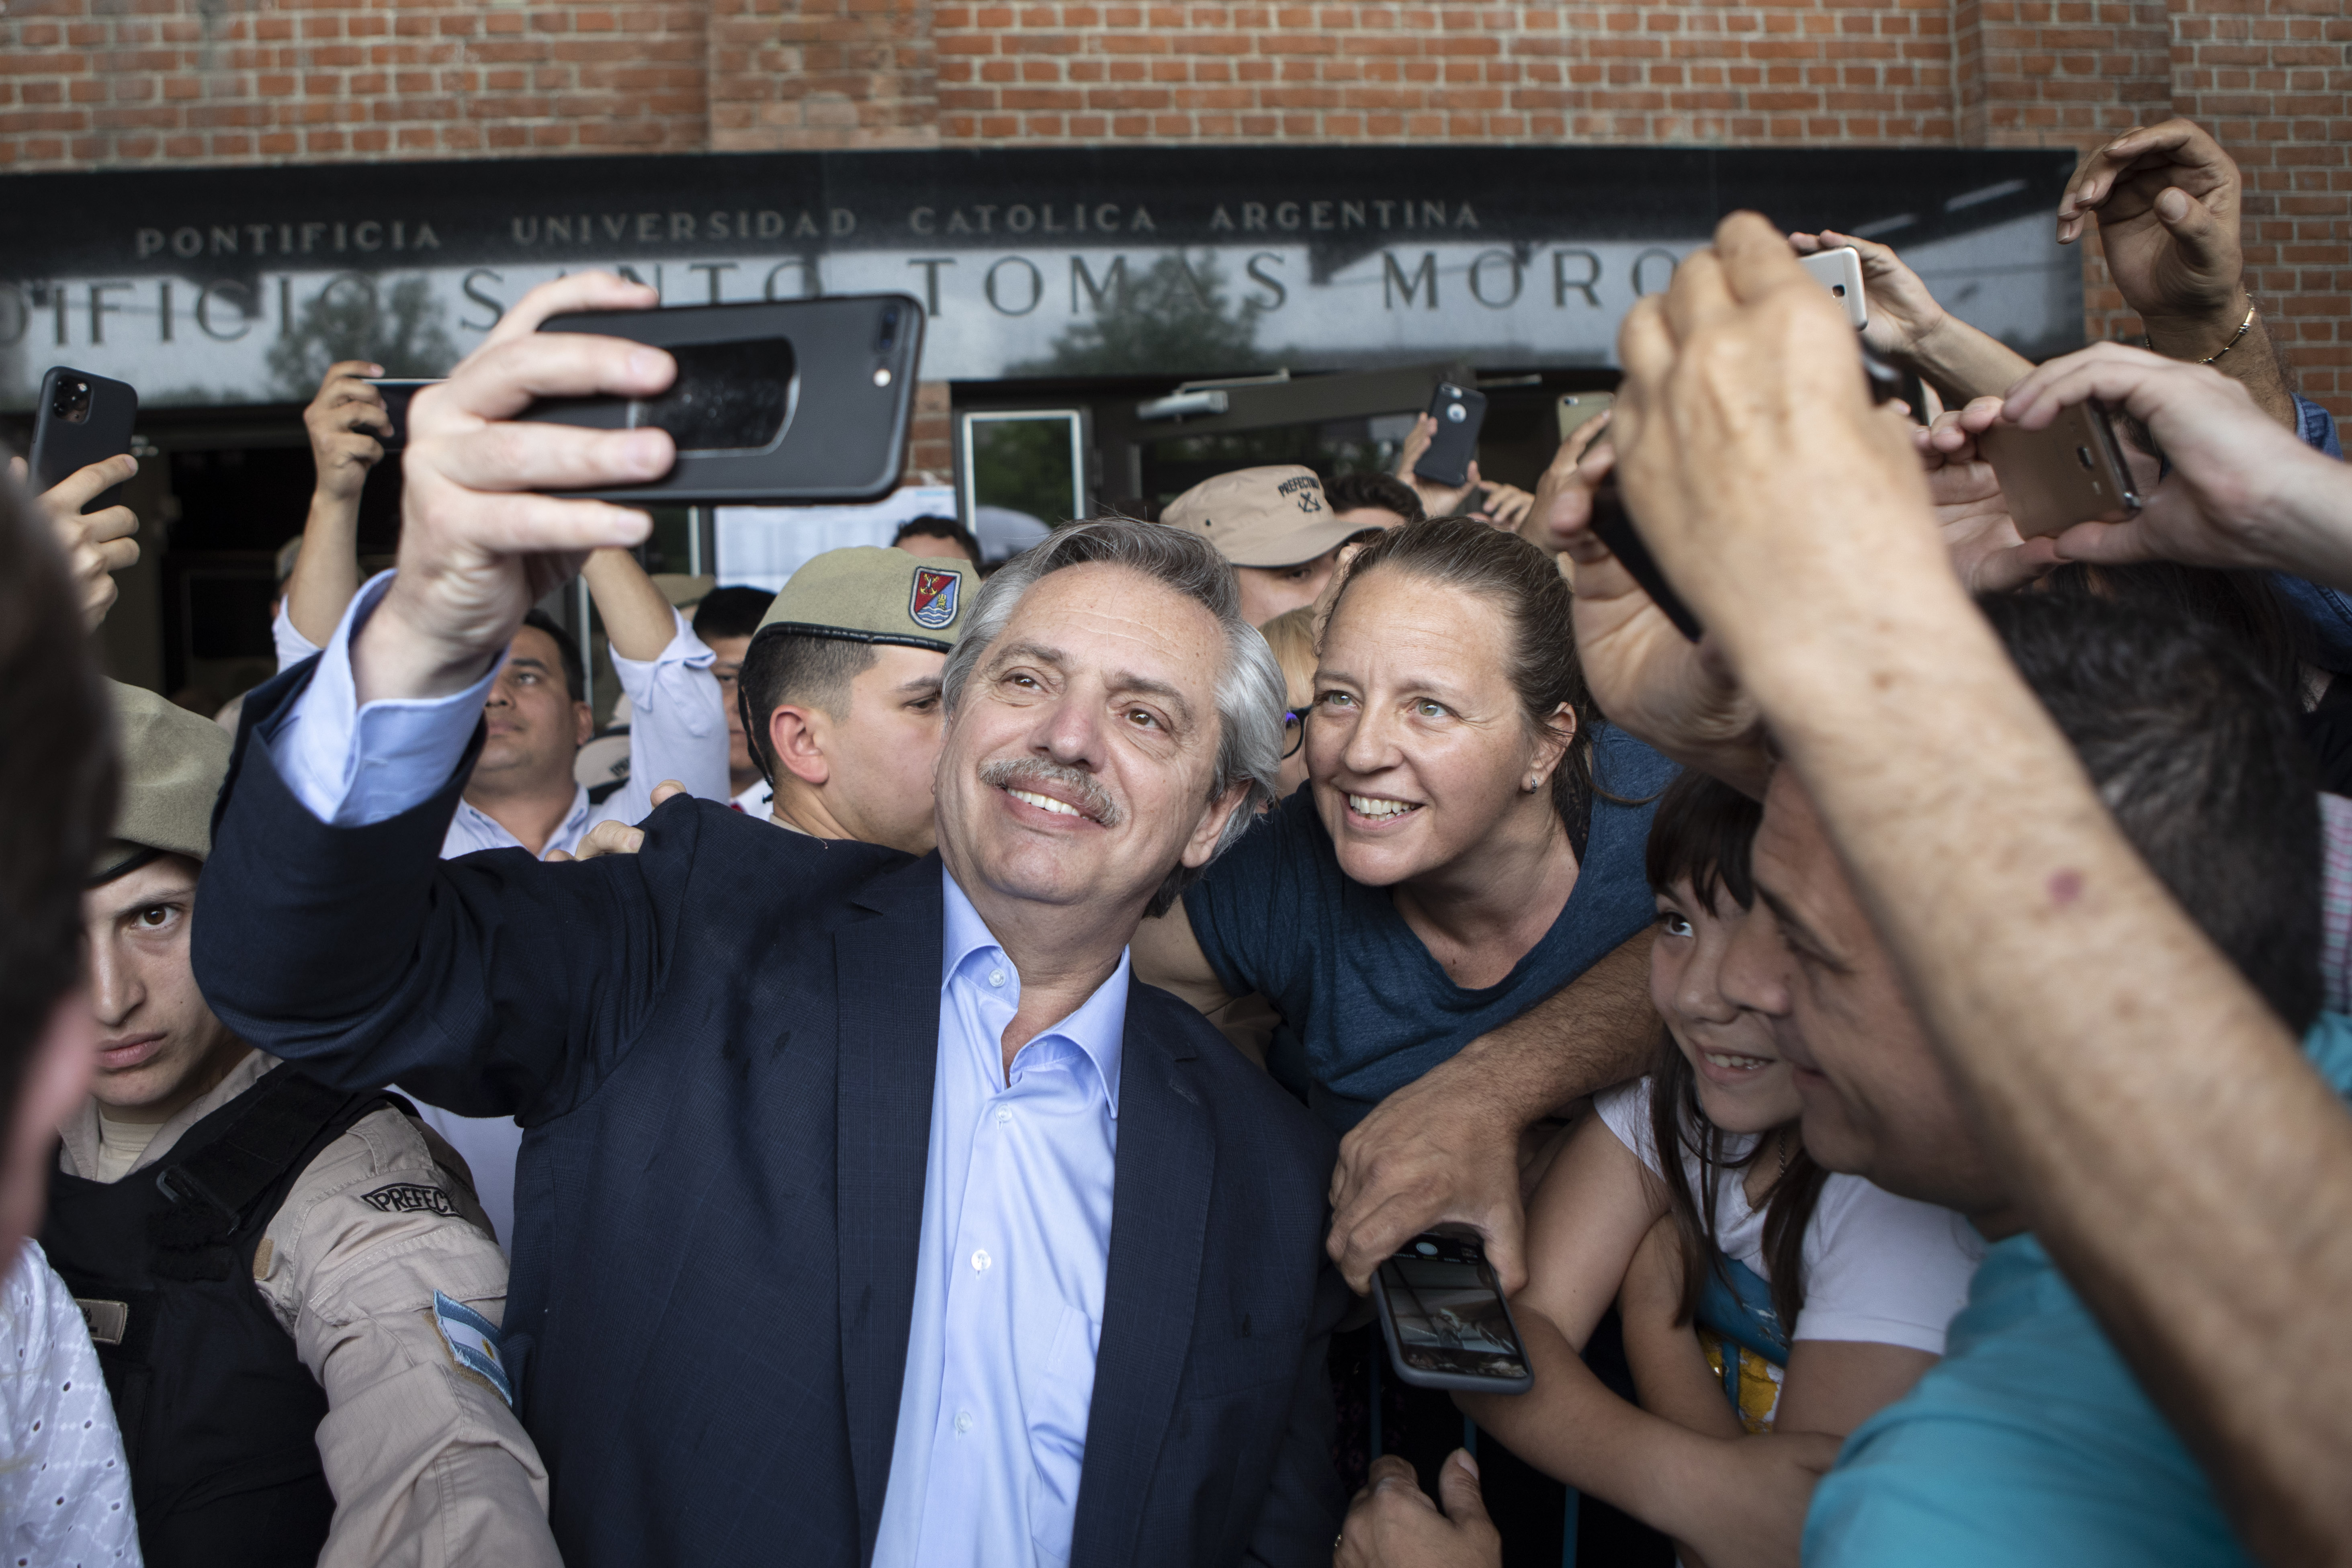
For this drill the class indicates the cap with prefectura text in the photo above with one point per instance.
(173, 762)
(1262, 517)
(873, 595)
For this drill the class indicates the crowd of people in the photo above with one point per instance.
(947, 1101)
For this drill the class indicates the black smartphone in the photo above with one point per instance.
(1616, 528)
(80, 419)
(1444, 1319)
(799, 400)
(397, 392)
(1459, 411)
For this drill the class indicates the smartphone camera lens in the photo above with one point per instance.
(890, 330)
(71, 403)
(1455, 412)
(2082, 456)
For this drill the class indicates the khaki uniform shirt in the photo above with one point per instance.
(428, 1463)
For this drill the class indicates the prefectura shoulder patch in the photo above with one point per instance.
(410, 1198)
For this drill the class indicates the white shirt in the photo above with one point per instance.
(1878, 1269)
(757, 799)
(65, 1489)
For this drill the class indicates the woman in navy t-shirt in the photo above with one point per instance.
(1469, 839)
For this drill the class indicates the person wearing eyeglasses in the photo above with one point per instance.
(1291, 634)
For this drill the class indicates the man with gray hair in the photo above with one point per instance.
(869, 1211)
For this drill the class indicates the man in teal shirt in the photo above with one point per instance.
(2031, 1432)
(2030, 1442)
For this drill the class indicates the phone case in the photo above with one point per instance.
(80, 419)
(2071, 471)
(1578, 410)
(824, 387)
(397, 392)
(1459, 411)
(1840, 271)
(1423, 1378)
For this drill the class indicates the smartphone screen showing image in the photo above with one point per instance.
(1446, 1323)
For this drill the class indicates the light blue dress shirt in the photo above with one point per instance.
(1008, 1283)
(677, 730)
(1015, 1242)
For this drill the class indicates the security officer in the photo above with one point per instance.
(294, 1295)
(840, 691)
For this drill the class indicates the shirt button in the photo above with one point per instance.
(1003, 1117)
(979, 1261)
(996, 977)
(964, 1420)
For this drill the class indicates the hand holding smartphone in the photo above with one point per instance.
(1459, 412)
(1444, 1319)
(798, 400)
(1840, 271)
(2072, 470)
(80, 419)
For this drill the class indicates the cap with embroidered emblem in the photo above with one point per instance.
(872, 594)
(173, 762)
(1261, 517)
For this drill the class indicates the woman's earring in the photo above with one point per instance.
(1535, 782)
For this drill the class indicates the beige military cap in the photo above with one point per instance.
(1261, 517)
(173, 763)
(870, 594)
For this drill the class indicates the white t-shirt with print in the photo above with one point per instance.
(1878, 1269)
(65, 1489)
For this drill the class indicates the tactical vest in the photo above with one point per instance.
(219, 1416)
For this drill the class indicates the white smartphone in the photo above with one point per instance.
(1840, 271)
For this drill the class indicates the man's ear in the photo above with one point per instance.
(583, 723)
(1212, 827)
(797, 739)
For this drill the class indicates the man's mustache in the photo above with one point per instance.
(1081, 789)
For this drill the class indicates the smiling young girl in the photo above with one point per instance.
(1828, 1296)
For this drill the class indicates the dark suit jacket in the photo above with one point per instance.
(721, 1049)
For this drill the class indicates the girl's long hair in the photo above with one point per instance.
(1701, 834)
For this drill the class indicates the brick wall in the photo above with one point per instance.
(2275, 82)
(90, 82)
(86, 82)
(788, 74)
(1652, 72)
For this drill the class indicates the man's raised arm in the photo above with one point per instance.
(2174, 1151)
(325, 930)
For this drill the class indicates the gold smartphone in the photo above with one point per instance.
(1577, 409)
(2071, 471)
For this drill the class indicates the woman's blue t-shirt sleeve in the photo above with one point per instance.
(1238, 909)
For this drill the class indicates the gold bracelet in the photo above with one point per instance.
(2244, 328)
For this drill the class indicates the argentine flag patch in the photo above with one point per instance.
(473, 1341)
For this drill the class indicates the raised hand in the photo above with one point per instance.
(97, 545)
(1987, 552)
(1436, 499)
(1771, 491)
(477, 546)
(340, 420)
(2166, 198)
(1563, 499)
(1902, 314)
(2243, 492)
